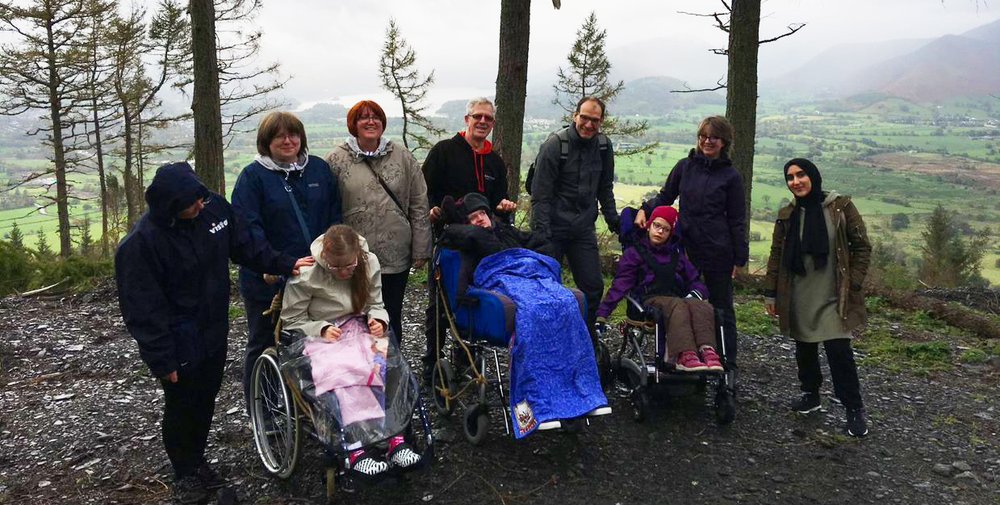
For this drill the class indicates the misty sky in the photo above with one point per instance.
(331, 48)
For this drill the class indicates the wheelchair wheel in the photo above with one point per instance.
(604, 367)
(635, 382)
(443, 370)
(725, 407)
(476, 423)
(274, 417)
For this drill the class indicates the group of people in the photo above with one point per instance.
(341, 236)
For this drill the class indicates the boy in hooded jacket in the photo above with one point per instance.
(172, 272)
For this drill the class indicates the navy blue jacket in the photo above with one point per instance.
(713, 215)
(173, 274)
(261, 200)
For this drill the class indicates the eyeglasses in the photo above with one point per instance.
(482, 117)
(287, 136)
(660, 228)
(709, 138)
(346, 268)
(374, 119)
(589, 119)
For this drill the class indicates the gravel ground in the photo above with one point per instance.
(79, 423)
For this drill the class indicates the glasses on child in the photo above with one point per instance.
(660, 228)
(346, 268)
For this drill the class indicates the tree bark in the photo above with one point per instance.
(205, 104)
(741, 92)
(58, 146)
(512, 81)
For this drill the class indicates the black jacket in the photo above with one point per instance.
(479, 242)
(453, 168)
(564, 195)
(173, 274)
(713, 217)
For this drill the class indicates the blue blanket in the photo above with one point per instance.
(553, 373)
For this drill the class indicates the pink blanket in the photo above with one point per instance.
(347, 367)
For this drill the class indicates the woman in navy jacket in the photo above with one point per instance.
(713, 218)
(263, 196)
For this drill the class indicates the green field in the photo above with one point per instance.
(842, 138)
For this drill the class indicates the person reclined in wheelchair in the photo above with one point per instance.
(656, 270)
(337, 305)
(553, 371)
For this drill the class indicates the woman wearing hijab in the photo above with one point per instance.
(385, 200)
(819, 258)
(287, 198)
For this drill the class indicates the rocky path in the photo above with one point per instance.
(79, 424)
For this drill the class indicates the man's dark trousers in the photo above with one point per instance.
(584, 260)
(188, 406)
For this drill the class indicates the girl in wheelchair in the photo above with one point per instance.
(657, 271)
(337, 304)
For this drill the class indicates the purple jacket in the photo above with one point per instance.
(633, 273)
(713, 211)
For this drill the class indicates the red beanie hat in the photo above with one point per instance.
(666, 212)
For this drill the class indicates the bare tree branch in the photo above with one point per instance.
(719, 85)
(792, 28)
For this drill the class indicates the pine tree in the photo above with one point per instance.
(16, 237)
(587, 75)
(400, 76)
(86, 239)
(948, 259)
(43, 245)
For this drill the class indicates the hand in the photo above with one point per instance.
(614, 224)
(331, 333)
(435, 214)
(770, 309)
(736, 270)
(271, 279)
(307, 261)
(506, 206)
(418, 264)
(601, 326)
(640, 218)
(171, 377)
(376, 327)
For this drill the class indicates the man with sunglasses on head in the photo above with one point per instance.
(172, 272)
(465, 163)
(574, 171)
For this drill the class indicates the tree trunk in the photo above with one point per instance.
(205, 103)
(512, 81)
(741, 91)
(58, 147)
(102, 178)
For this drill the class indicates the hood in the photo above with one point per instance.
(487, 146)
(174, 188)
(286, 168)
(383, 149)
(316, 249)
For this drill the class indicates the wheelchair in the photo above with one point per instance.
(285, 409)
(640, 365)
(472, 371)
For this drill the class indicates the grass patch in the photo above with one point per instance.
(751, 318)
(974, 356)
(236, 310)
(896, 354)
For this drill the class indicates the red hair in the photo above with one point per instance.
(355, 113)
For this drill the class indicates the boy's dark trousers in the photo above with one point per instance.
(188, 405)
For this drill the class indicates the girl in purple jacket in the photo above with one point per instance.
(657, 271)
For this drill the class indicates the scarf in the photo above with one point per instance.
(813, 239)
(287, 168)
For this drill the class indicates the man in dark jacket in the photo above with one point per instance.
(462, 164)
(172, 272)
(565, 192)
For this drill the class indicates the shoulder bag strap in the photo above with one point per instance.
(386, 188)
(298, 211)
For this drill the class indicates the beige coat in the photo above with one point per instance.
(396, 240)
(316, 296)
